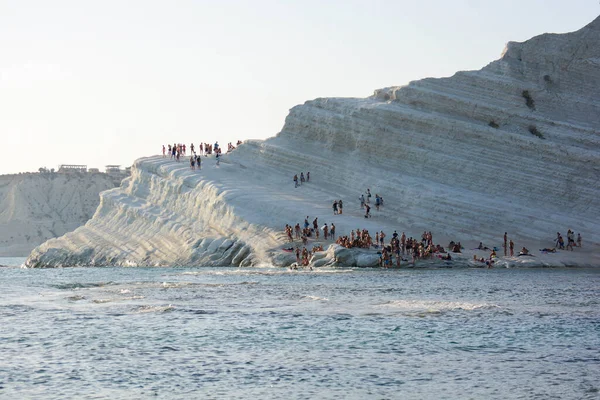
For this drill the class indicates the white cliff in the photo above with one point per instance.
(37, 207)
(512, 147)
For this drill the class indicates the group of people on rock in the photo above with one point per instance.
(195, 160)
(400, 246)
(176, 150)
(560, 242)
(303, 257)
(296, 232)
(366, 201)
(302, 179)
(361, 239)
(231, 147)
(338, 207)
(425, 248)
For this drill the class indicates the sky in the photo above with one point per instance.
(107, 82)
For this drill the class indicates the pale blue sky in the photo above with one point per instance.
(106, 82)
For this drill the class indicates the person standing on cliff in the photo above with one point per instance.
(335, 207)
(570, 239)
(199, 161)
(340, 206)
(579, 240)
(332, 231)
(301, 178)
(362, 201)
(217, 156)
(307, 176)
(505, 243)
(295, 180)
(368, 195)
(512, 248)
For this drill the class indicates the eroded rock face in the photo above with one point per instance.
(37, 207)
(512, 147)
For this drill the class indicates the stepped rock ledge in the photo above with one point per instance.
(512, 147)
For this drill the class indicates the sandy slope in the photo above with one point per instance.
(428, 148)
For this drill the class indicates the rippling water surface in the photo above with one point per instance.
(122, 333)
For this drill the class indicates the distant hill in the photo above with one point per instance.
(35, 207)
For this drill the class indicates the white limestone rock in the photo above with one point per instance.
(35, 207)
(512, 147)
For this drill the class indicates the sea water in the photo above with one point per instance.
(271, 333)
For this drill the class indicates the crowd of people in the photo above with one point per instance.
(398, 246)
(308, 231)
(178, 150)
(560, 242)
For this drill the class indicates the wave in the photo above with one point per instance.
(102, 301)
(76, 298)
(151, 309)
(316, 298)
(81, 285)
(436, 305)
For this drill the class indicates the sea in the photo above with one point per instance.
(274, 333)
